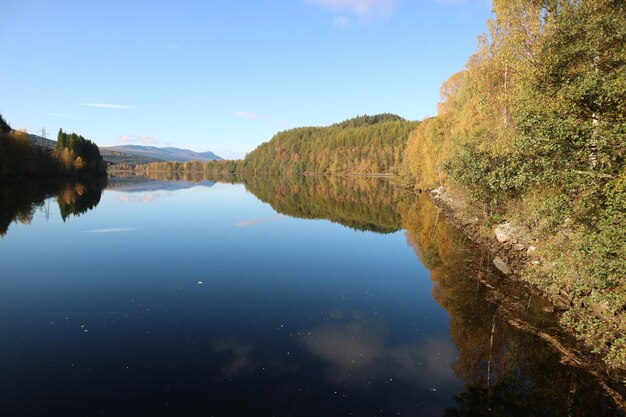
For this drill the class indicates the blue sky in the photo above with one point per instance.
(225, 75)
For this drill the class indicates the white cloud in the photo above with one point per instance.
(108, 106)
(148, 140)
(133, 138)
(250, 116)
(65, 116)
(357, 349)
(254, 222)
(142, 198)
(124, 139)
(364, 11)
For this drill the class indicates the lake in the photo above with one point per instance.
(300, 296)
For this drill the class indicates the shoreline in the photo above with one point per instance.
(572, 351)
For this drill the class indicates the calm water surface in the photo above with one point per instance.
(281, 296)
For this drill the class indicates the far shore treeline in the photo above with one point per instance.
(74, 155)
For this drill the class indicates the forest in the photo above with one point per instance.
(74, 155)
(533, 132)
(361, 145)
(196, 167)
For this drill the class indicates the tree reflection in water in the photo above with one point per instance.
(507, 371)
(20, 200)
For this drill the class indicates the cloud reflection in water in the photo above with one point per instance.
(355, 348)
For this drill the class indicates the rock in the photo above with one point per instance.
(519, 247)
(553, 289)
(437, 192)
(502, 266)
(600, 309)
(561, 302)
(504, 233)
(471, 221)
(531, 250)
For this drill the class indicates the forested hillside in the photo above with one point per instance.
(362, 145)
(78, 154)
(533, 132)
(365, 144)
(73, 155)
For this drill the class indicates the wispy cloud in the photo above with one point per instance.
(248, 115)
(360, 11)
(108, 106)
(253, 116)
(65, 116)
(358, 349)
(133, 138)
(148, 140)
(112, 230)
(124, 139)
(254, 222)
(144, 199)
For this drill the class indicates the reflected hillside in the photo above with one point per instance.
(188, 176)
(157, 180)
(367, 204)
(20, 200)
(503, 357)
(361, 203)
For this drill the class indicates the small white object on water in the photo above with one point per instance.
(200, 282)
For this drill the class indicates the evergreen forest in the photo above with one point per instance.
(74, 155)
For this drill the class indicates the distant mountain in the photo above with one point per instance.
(136, 154)
(135, 184)
(164, 154)
(111, 157)
(115, 157)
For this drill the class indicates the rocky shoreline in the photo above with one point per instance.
(512, 253)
